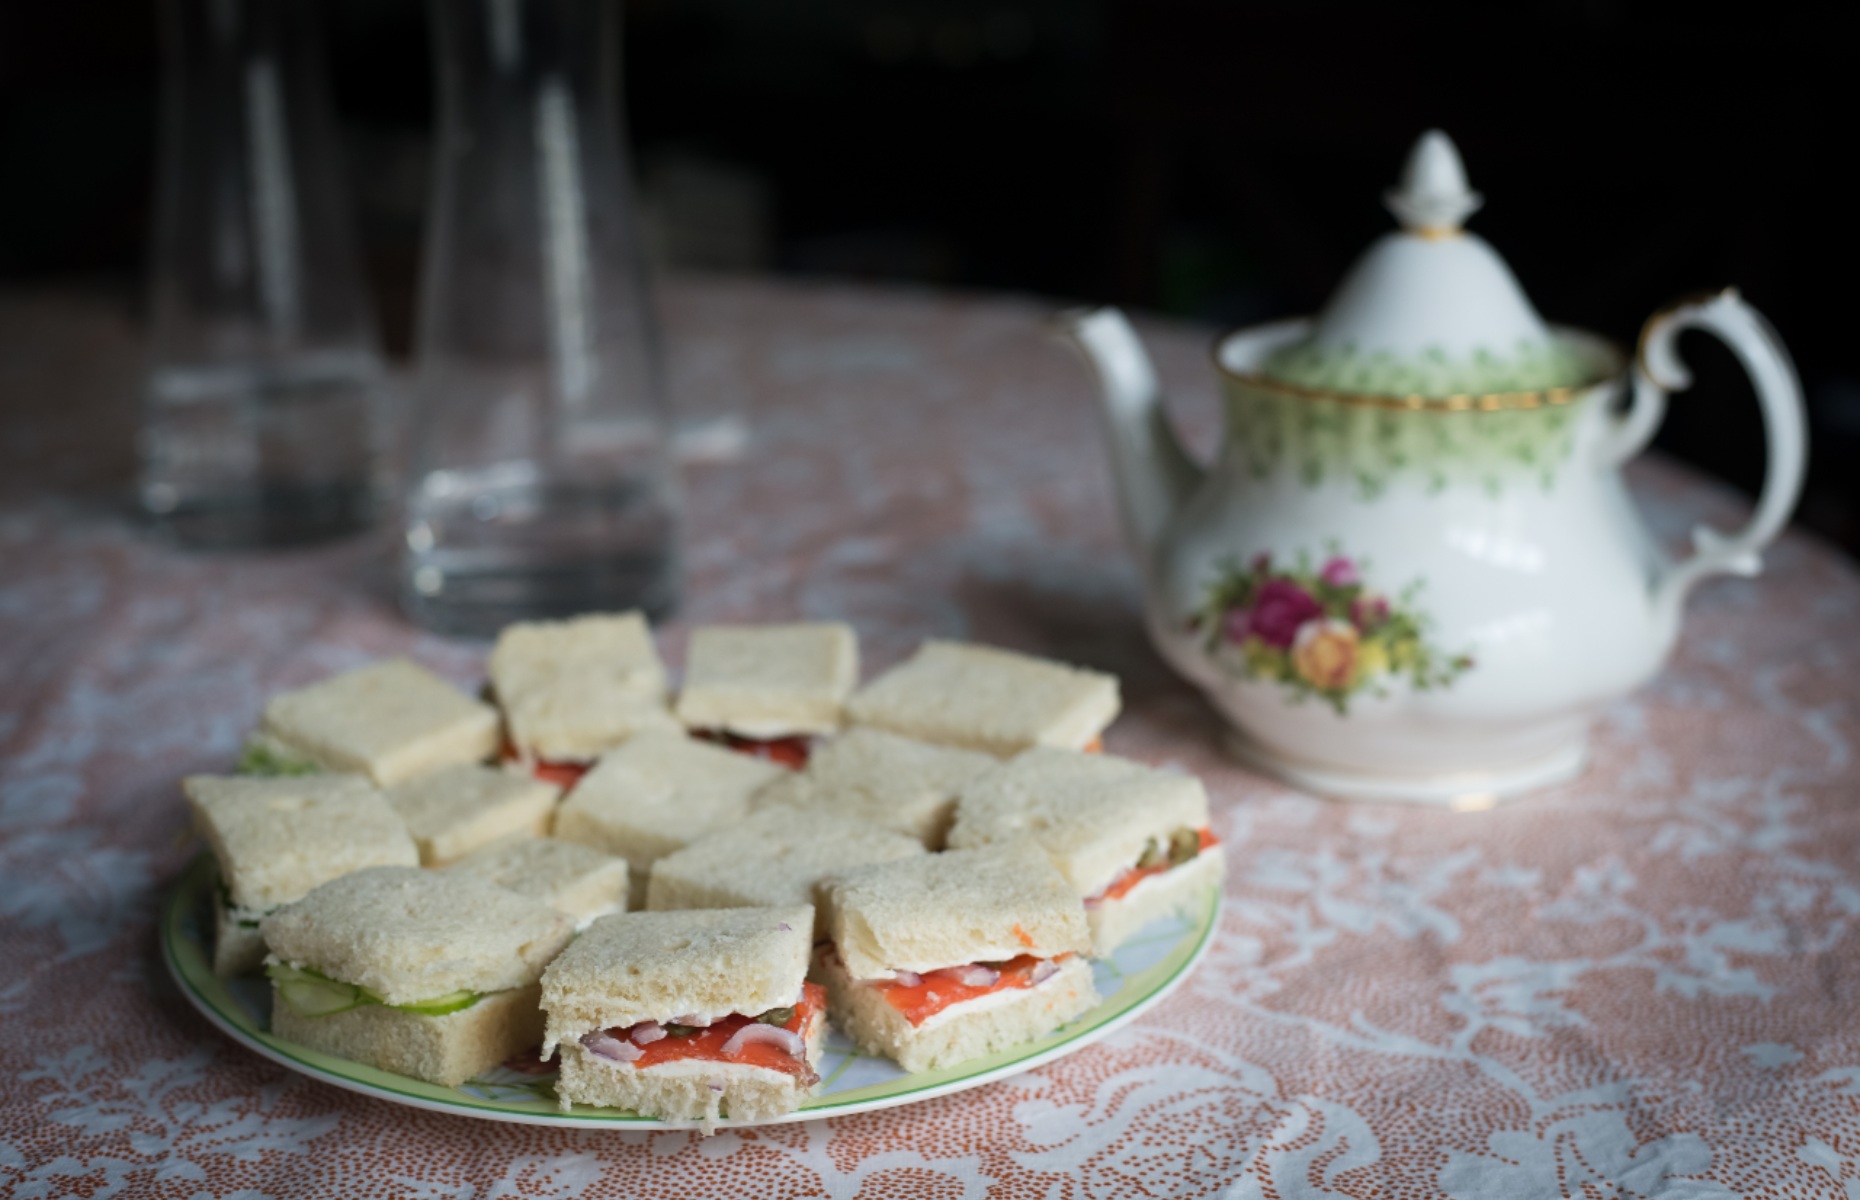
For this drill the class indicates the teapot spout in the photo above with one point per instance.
(1154, 474)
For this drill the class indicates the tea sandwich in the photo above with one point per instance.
(883, 778)
(656, 794)
(578, 880)
(573, 690)
(941, 958)
(390, 721)
(770, 858)
(983, 698)
(694, 1015)
(1133, 841)
(769, 681)
(457, 810)
(433, 974)
(277, 838)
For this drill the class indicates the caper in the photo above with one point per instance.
(681, 1030)
(1184, 844)
(1152, 855)
(777, 1016)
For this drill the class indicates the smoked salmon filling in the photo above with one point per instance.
(563, 773)
(920, 997)
(775, 1040)
(1185, 845)
(790, 752)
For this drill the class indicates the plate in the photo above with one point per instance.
(1144, 970)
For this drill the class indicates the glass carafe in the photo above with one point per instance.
(539, 479)
(263, 416)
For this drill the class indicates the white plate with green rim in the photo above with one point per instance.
(1143, 971)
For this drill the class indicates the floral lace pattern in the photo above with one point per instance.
(1639, 984)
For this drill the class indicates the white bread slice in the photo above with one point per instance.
(767, 681)
(577, 880)
(276, 838)
(699, 1091)
(656, 794)
(871, 775)
(446, 1050)
(1093, 813)
(456, 810)
(410, 935)
(987, 699)
(989, 904)
(654, 966)
(572, 690)
(1177, 891)
(390, 721)
(238, 947)
(770, 858)
(962, 1031)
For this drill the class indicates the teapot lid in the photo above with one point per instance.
(1431, 310)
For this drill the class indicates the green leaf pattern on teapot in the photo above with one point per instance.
(1370, 448)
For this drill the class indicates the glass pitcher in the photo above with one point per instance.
(264, 415)
(539, 480)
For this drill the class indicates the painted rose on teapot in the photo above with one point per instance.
(1413, 571)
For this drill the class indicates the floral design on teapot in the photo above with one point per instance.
(1322, 633)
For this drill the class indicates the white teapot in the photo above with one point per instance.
(1414, 572)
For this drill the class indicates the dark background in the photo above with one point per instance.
(1212, 160)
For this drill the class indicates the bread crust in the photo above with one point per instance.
(446, 1050)
(863, 1014)
(988, 699)
(390, 721)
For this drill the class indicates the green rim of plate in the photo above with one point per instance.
(192, 969)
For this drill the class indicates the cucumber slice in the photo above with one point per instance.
(320, 997)
(439, 1006)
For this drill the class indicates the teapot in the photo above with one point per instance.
(1413, 571)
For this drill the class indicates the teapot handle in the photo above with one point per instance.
(1658, 370)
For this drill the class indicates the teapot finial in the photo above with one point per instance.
(1433, 199)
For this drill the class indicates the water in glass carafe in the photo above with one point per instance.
(539, 480)
(263, 414)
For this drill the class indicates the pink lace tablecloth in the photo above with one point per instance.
(1645, 983)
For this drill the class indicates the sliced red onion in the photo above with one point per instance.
(695, 1022)
(610, 1048)
(647, 1032)
(974, 975)
(1045, 971)
(775, 1035)
(1093, 901)
(908, 978)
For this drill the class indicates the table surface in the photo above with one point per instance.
(1646, 982)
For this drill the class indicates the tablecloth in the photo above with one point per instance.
(1643, 983)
